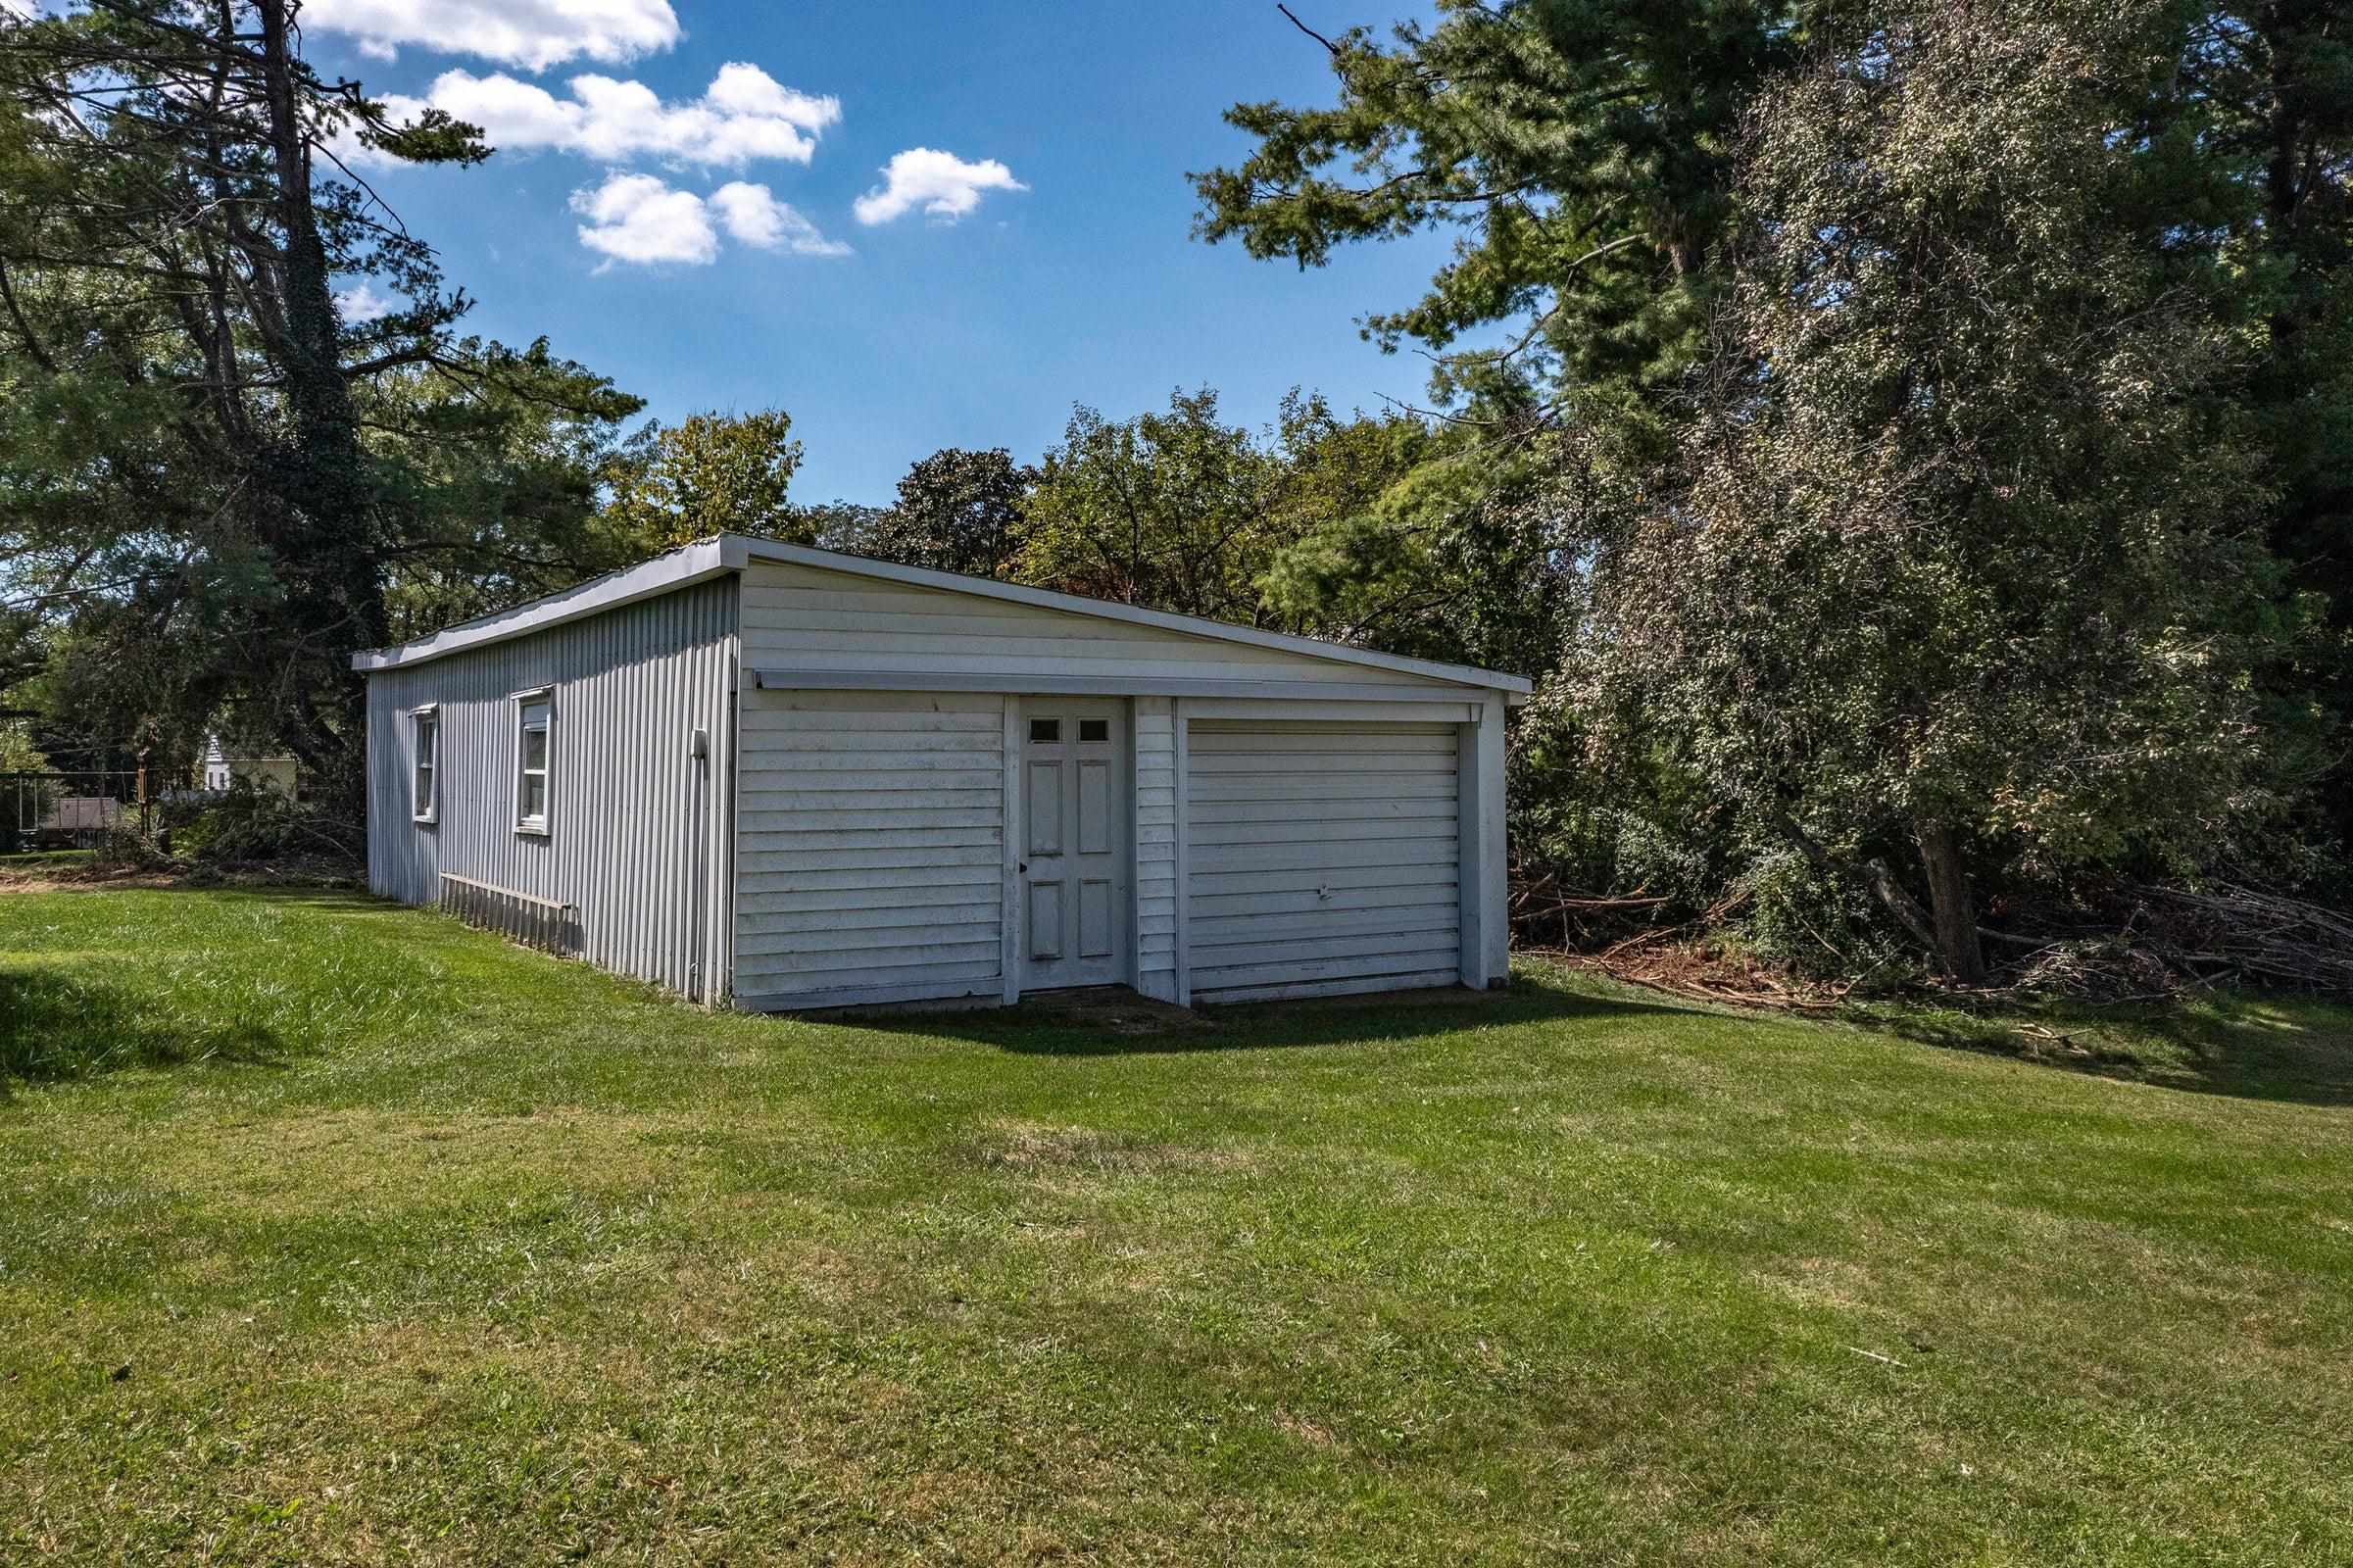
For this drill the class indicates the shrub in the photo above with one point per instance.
(1814, 921)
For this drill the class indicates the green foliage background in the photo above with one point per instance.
(1910, 441)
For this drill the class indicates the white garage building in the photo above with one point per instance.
(781, 777)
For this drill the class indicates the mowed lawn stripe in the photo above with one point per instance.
(339, 1233)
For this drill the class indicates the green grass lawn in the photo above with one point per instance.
(334, 1231)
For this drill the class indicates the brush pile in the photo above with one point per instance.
(2138, 942)
(2147, 943)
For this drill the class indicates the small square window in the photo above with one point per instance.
(1044, 729)
(1094, 729)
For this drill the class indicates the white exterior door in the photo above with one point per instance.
(1073, 875)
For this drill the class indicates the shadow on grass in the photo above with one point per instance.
(324, 900)
(1116, 1026)
(2247, 1047)
(2291, 1050)
(56, 1026)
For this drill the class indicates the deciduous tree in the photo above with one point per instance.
(709, 474)
(956, 511)
(1166, 509)
(1961, 552)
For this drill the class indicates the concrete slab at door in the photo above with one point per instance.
(1073, 872)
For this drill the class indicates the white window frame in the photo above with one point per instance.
(425, 806)
(544, 698)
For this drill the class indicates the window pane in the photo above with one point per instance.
(1044, 729)
(535, 796)
(424, 788)
(1094, 729)
(535, 750)
(425, 741)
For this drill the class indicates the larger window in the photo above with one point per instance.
(534, 717)
(425, 730)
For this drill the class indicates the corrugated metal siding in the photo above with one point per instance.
(1320, 857)
(798, 617)
(1155, 731)
(870, 856)
(638, 826)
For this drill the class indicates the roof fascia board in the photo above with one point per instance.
(690, 565)
(956, 680)
(1108, 610)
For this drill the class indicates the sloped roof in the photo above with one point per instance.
(712, 557)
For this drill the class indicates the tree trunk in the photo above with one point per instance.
(328, 546)
(1883, 883)
(1950, 906)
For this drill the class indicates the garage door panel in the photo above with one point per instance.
(1406, 968)
(1325, 921)
(1309, 762)
(1337, 785)
(1439, 808)
(1239, 884)
(1446, 974)
(1320, 830)
(1324, 899)
(1320, 857)
(1311, 855)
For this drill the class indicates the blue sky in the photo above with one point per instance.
(719, 284)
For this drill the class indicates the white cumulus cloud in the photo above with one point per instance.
(640, 219)
(531, 33)
(361, 304)
(753, 217)
(745, 115)
(943, 184)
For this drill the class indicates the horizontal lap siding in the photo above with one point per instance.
(1155, 847)
(635, 826)
(1321, 857)
(870, 845)
(799, 617)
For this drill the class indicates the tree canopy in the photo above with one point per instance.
(709, 474)
(1580, 150)
(1911, 441)
(1910, 434)
(208, 473)
(1968, 563)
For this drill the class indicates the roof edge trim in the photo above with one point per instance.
(732, 552)
(648, 579)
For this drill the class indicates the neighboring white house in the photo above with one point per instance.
(783, 777)
(220, 770)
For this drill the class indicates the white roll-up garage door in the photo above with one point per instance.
(1320, 857)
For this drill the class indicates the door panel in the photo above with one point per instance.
(1045, 921)
(1093, 807)
(1044, 803)
(1074, 772)
(1095, 919)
